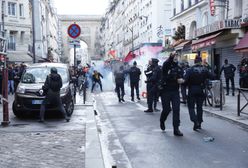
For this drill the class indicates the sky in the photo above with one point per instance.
(81, 7)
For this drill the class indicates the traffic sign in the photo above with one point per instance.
(74, 43)
(74, 30)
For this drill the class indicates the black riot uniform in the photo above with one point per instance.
(134, 74)
(171, 72)
(195, 78)
(119, 83)
(153, 74)
(229, 71)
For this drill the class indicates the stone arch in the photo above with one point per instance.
(205, 19)
(89, 32)
(192, 30)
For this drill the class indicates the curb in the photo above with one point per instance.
(243, 125)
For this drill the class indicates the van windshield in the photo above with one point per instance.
(39, 74)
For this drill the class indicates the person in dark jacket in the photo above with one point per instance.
(172, 76)
(153, 74)
(134, 74)
(96, 78)
(185, 67)
(11, 74)
(119, 83)
(229, 72)
(51, 88)
(196, 78)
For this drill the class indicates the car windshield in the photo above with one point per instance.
(39, 74)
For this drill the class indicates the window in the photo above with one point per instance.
(12, 8)
(12, 42)
(21, 10)
(22, 37)
(182, 5)
(190, 3)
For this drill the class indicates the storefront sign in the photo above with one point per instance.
(212, 7)
(203, 44)
(220, 25)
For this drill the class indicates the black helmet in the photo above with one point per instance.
(54, 70)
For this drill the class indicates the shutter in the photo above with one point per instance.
(233, 58)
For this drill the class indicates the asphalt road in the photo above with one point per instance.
(132, 138)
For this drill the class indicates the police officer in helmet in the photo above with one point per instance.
(153, 74)
(195, 78)
(171, 78)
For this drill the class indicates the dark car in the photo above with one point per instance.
(28, 96)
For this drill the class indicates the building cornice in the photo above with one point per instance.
(80, 17)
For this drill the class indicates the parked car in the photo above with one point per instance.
(28, 96)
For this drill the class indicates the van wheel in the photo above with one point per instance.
(17, 113)
(70, 108)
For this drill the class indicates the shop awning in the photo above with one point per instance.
(204, 42)
(181, 45)
(243, 44)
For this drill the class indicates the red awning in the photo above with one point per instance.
(129, 57)
(205, 42)
(243, 44)
(181, 45)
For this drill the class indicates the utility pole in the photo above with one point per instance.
(33, 29)
(3, 56)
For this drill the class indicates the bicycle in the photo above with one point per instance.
(212, 92)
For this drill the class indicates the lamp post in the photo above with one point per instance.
(33, 29)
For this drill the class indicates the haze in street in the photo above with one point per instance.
(81, 7)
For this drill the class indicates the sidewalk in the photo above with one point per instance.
(229, 111)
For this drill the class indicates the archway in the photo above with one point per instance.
(192, 30)
(82, 54)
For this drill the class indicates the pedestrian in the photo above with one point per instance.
(196, 78)
(134, 75)
(229, 72)
(51, 89)
(153, 74)
(11, 75)
(1, 80)
(119, 83)
(96, 78)
(171, 78)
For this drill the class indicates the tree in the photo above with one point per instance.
(180, 33)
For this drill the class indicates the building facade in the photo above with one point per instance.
(46, 29)
(213, 28)
(17, 30)
(130, 23)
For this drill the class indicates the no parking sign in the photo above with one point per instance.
(74, 30)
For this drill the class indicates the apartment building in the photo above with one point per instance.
(129, 24)
(46, 28)
(212, 28)
(17, 28)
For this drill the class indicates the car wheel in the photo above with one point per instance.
(70, 108)
(17, 113)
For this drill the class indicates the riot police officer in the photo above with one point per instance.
(153, 74)
(171, 78)
(195, 78)
(134, 74)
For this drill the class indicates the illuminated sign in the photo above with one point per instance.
(212, 7)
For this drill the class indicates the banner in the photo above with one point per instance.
(212, 7)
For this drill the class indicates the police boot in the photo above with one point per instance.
(162, 126)
(196, 126)
(177, 132)
(148, 111)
